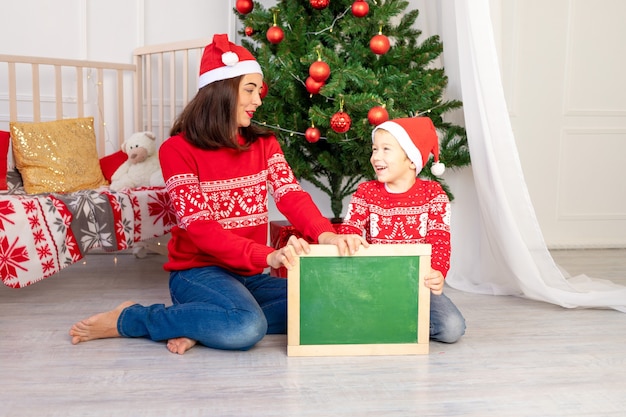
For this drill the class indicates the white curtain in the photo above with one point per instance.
(498, 247)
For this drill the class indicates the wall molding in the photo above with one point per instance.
(594, 113)
(573, 27)
(83, 33)
(587, 245)
(140, 9)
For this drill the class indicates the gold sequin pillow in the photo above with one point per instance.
(58, 156)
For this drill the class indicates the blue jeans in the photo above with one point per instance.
(223, 310)
(215, 307)
(446, 321)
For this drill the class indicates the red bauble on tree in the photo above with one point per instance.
(319, 4)
(340, 122)
(360, 8)
(319, 71)
(249, 31)
(275, 35)
(264, 90)
(313, 86)
(312, 134)
(244, 6)
(379, 44)
(377, 115)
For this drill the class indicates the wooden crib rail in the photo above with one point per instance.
(123, 98)
(165, 80)
(25, 100)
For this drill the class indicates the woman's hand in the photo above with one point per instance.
(286, 256)
(434, 280)
(347, 244)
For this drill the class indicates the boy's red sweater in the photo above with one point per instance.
(420, 215)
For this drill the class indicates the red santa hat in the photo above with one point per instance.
(418, 137)
(223, 59)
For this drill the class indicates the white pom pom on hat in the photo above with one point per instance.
(437, 169)
(230, 58)
(223, 59)
(418, 137)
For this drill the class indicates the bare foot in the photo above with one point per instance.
(180, 345)
(99, 326)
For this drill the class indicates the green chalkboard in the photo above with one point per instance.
(372, 302)
(359, 300)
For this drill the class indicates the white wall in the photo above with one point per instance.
(107, 30)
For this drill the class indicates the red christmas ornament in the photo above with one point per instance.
(264, 90)
(312, 134)
(340, 122)
(275, 35)
(377, 115)
(313, 86)
(319, 71)
(379, 44)
(319, 4)
(244, 6)
(248, 31)
(360, 8)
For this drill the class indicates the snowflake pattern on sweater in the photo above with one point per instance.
(238, 202)
(420, 215)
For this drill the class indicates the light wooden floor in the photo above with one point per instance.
(518, 358)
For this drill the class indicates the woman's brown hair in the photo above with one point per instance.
(209, 121)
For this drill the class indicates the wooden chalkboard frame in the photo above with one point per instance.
(324, 268)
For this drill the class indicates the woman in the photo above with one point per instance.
(219, 169)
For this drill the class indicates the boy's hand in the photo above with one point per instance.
(347, 244)
(434, 281)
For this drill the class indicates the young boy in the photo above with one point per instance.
(399, 207)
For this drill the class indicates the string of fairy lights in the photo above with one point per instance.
(96, 84)
(292, 133)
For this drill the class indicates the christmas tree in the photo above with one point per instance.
(336, 68)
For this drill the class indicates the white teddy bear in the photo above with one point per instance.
(142, 168)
